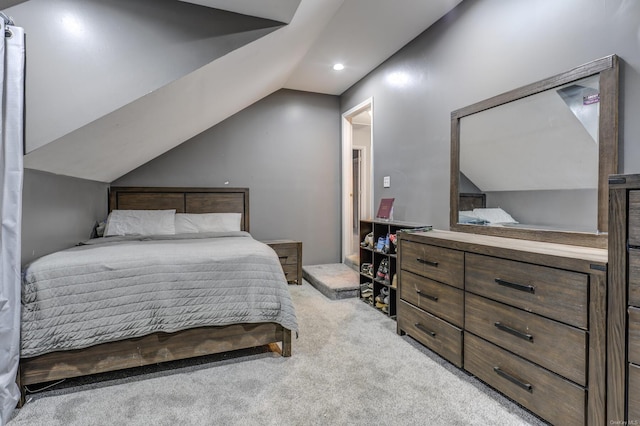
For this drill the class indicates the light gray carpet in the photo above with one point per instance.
(349, 367)
(334, 280)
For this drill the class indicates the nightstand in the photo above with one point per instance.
(290, 254)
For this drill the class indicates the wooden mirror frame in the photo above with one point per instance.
(608, 69)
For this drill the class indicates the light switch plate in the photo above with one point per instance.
(386, 182)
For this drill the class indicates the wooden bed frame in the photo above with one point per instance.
(160, 347)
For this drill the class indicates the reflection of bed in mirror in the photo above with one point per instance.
(470, 201)
(530, 209)
(467, 203)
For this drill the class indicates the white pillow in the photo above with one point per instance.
(188, 223)
(140, 222)
(494, 215)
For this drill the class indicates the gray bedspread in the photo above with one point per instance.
(115, 288)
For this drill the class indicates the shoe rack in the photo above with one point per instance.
(379, 289)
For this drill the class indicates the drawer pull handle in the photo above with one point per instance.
(514, 380)
(428, 296)
(424, 330)
(513, 331)
(617, 180)
(527, 288)
(427, 262)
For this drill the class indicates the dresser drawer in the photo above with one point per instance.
(633, 348)
(634, 277)
(554, 293)
(290, 256)
(546, 394)
(553, 345)
(634, 218)
(633, 397)
(287, 253)
(437, 263)
(290, 272)
(443, 301)
(436, 334)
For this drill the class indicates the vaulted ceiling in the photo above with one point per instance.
(112, 84)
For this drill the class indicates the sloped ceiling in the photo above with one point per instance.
(109, 91)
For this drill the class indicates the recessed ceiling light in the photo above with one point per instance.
(338, 67)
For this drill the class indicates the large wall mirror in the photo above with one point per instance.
(533, 163)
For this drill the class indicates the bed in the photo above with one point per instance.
(473, 210)
(247, 273)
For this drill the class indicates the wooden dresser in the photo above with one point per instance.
(527, 318)
(624, 300)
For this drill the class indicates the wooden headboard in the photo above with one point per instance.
(470, 201)
(184, 200)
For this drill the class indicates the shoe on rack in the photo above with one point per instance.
(381, 305)
(386, 248)
(368, 241)
(367, 269)
(383, 268)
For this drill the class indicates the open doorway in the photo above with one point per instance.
(357, 171)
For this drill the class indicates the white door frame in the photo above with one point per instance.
(347, 178)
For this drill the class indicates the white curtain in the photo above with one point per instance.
(12, 52)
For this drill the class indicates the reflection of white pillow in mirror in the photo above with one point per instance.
(494, 215)
(468, 216)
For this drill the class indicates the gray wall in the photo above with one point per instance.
(58, 212)
(539, 208)
(480, 49)
(286, 149)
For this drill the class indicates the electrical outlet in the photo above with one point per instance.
(386, 182)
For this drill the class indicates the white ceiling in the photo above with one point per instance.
(359, 33)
